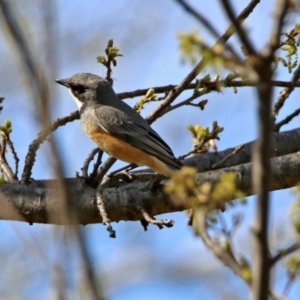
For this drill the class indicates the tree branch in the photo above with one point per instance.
(238, 27)
(41, 137)
(225, 257)
(285, 93)
(284, 253)
(39, 201)
(210, 85)
(283, 143)
(286, 120)
(173, 94)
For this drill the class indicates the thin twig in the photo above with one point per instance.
(234, 152)
(201, 230)
(280, 15)
(14, 153)
(4, 166)
(100, 204)
(41, 137)
(238, 27)
(59, 278)
(126, 168)
(109, 61)
(194, 151)
(286, 120)
(210, 85)
(238, 218)
(284, 252)
(280, 12)
(105, 167)
(97, 164)
(85, 167)
(182, 103)
(159, 223)
(188, 101)
(285, 93)
(288, 285)
(174, 93)
(206, 23)
(91, 279)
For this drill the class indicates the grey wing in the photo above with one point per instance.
(139, 134)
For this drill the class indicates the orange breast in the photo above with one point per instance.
(126, 152)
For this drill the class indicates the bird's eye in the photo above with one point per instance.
(78, 89)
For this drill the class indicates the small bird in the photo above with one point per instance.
(117, 128)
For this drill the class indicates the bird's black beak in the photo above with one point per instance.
(63, 82)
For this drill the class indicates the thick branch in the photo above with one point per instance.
(39, 202)
(283, 143)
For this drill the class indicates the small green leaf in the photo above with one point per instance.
(7, 128)
(102, 60)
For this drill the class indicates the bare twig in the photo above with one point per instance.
(194, 151)
(285, 93)
(91, 281)
(41, 137)
(238, 218)
(288, 285)
(284, 252)
(97, 164)
(4, 166)
(159, 223)
(105, 167)
(14, 153)
(100, 204)
(210, 85)
(182, 103)
(235, 151)
(189, 100)
(59, 277)
(206, 23)
(174, 93)
(109, 62)
(238, 27)
(227, 258)
(280, 15)
(286, 120)
(88, 160)
(126, 168)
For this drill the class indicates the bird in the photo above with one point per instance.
(116, 127)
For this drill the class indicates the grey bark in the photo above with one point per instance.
(39, 201)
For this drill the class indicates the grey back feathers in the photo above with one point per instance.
(98, 102)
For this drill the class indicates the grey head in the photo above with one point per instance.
(85, 87)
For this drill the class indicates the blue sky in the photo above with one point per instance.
(158, 264)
